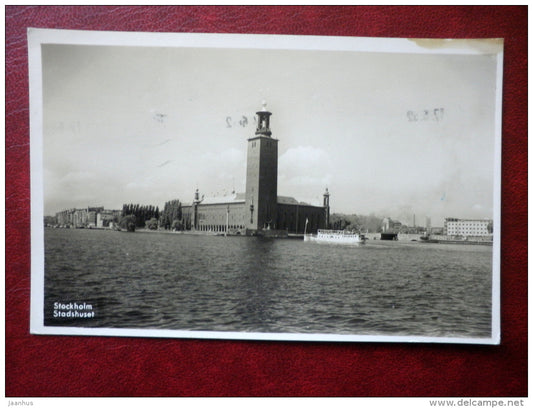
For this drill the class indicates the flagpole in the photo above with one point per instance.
(227, 221)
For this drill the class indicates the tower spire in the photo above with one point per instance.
(261, 195)
(263, 122)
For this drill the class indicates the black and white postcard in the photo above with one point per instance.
(265, 187)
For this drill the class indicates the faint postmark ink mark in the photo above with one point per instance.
(243, 121)
(426, 115)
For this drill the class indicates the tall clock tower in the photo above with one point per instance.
(261, 177)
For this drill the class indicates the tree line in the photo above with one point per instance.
(355, 222)
(142, 213)
(367, 223)
(149, 216)
(172, 216)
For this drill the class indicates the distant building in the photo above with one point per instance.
(90, 217)
(436, 231)
(467, 227)
(65, 217)
(105, 218)
(50, 220)
(390, 225)
(259, 210)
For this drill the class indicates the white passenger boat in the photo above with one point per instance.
(334, 237)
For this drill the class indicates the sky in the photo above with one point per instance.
(390, 134)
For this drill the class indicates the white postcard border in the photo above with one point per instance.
(37, 37)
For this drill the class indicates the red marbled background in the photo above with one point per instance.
(51, 366)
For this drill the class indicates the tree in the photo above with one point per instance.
(142, 213)
(171, 212)
(354, 222)
(152, 224)
(177, 225)
(339, 221)
(128, 223)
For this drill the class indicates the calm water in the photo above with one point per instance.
(188, 282)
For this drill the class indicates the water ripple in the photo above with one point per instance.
(185, 282)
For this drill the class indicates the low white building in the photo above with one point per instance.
(467, 227)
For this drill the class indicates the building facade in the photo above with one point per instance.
(390, 225)
(467, 227)
(90, 217)
(259, 210)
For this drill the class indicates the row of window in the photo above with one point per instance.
(219, 228)
(268, 143)
(469, 223)
(484, 227)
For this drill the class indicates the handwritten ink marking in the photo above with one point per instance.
(165, 163)
(160, 117)
(243, 121)
(438, 113)
(426, 115)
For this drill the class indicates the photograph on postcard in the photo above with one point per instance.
(265, 187)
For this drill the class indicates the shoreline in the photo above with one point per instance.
(289, 236)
